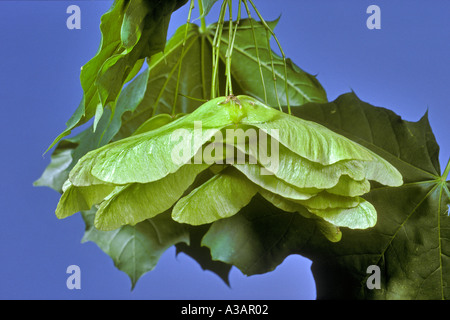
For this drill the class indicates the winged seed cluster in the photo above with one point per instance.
(136, 178)
(230, 182)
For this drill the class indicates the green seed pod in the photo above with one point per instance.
(247, 148)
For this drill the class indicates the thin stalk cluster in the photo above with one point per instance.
(218, 41)
(271, 58)
(191, 7)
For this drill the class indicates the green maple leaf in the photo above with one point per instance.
(150, 90)
(409, 242)
(131, 32)
(201, 254)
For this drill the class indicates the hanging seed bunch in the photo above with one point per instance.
(247, 148)
(209, 164)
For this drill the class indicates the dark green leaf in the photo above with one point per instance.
(202, 254)
(194, 81)
(259, 237)
(409, 146)
(409, 242)
(134, 96)
(131, 32)
(143, 33)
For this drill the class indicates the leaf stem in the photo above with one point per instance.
(202, 64)
(274, 77)
(191, 7)
(256, 50)
(202, 18)
(281, 51)
(216, 49)
(231, 38)
(202, 46)
(228, 87)
(446, 171)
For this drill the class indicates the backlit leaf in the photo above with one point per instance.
(302, 86)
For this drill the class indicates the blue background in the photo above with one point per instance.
(405, 66)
